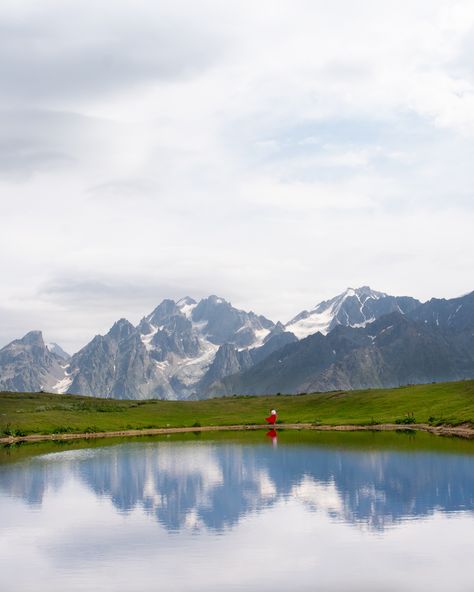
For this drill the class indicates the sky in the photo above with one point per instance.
(272, 153)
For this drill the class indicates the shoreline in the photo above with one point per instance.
(461, 431)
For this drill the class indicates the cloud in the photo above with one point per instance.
(272, 153)
(69, 51)
(36, 140)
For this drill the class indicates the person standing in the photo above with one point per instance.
(271, 419)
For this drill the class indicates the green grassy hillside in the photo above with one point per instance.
(445, 403)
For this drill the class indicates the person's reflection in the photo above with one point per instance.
(274, 436)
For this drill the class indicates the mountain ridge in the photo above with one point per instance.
(358, 306)
(188, 349)
(395, 349)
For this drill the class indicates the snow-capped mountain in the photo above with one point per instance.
(189, 349)
(169, 352)
(353, 308)
(432, 343)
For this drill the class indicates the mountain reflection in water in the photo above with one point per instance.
(214, 485)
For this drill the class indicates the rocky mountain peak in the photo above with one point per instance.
(364, 291)
(186, 306)
(33, 338)
(163, 312)
(186, 301)
(360, 295)
(121, 330)
(355, 307)
(207, 308)
(26, 364)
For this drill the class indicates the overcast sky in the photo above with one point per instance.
(270, 152)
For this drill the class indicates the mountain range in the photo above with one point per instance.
(187, 349)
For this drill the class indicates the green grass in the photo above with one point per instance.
(444, 403)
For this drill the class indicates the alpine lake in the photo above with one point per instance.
(263, 511)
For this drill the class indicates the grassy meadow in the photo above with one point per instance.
(43, 413)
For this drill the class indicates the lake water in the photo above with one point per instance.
(300, 511)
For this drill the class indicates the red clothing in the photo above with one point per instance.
(271, 419)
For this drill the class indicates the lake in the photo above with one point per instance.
(303, 511)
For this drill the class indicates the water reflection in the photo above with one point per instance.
(210, 485)
(274, 436)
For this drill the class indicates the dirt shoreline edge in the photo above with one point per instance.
(462, 431)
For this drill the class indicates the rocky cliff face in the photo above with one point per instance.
(114, 365)
(225, 324)
(228, 360)
(27, 365)
(456, 314)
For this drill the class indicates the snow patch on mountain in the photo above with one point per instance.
(54, 348)
(146, 339)
(308, 323)
(186, 305)
(190, 370)
(260, 337)
(182, 338)
(63, 384)
(353, 308)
